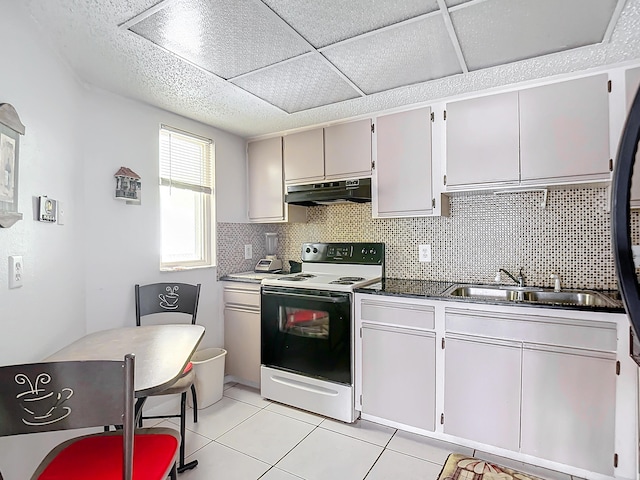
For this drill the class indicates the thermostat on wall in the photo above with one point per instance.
(47, 210)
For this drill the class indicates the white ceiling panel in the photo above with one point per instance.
(225, 38)
(329, 21)
(411, 53)
(228, 62)
(300, 84)
(494, 32)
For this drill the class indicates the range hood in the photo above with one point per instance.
(327, 193)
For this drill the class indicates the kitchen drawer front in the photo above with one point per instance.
(400, 314)
(248, 296)
(591, 335)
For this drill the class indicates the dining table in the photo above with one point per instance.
(162, 352)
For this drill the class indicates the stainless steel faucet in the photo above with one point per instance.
(519, 280)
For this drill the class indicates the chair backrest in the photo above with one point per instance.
(42, 397)
(167, 298)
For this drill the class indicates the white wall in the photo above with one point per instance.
(122, 244)
(79, 277)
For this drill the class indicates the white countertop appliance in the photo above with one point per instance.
(307, 332)
(270, 263)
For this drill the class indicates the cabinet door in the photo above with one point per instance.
(482, 390)
(568, 407)
(347, 150)
(242, 342)
(564, 130)
(403, 164)
(265, 181)
(304, 156)
(633, 83)
(482, 141)
(399, 375)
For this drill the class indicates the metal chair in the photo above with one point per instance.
(173, 298)
(42, 397)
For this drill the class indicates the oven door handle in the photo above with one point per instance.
(317, 298)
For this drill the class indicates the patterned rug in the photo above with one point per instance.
(461, 467)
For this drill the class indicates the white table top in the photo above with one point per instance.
(162, 352)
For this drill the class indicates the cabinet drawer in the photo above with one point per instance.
(534, 329)
(242, 295)
(401, 314)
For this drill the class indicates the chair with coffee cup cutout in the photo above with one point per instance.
(172, 298)
(44, 397)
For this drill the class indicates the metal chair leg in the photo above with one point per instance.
(195, 403)
(173, 474)
(183, 417)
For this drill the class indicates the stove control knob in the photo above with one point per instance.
(315, 250)
(308, 250)
(364, 251)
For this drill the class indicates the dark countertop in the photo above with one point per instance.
(434, 290)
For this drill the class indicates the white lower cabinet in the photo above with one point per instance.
(522, 382)
(568, 406)
(482, 390)
(396, 361)
(396, 352)
(242, 332)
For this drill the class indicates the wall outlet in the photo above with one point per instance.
(635, 250)
(248, 252)
(424, 253)
(16, 271)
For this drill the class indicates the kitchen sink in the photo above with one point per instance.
(531, 294)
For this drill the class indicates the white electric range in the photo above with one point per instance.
(307, 330)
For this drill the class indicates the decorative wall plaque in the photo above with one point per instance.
(10, 130)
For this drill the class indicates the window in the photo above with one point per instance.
(186, 199)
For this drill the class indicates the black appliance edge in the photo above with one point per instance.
(620, 223)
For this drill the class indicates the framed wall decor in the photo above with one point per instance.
(10, 130)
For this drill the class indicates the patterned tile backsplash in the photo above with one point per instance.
(485, 232)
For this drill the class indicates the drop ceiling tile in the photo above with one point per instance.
(225, 38)
(412, 53)
(299, 84)
(495, 32)
(453, 3)
(330, 21)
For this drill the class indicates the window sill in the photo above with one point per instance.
(183, 269)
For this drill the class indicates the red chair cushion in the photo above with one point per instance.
(100, 458)
(188, 368)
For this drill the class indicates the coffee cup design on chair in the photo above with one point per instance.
(41, 407)
(169, 300)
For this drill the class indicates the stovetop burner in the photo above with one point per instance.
(297, 278)
(350, 279)
(306, 275)
(342, 282)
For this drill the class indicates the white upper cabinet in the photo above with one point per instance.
(552, 134)
(337, 152)
(265, 182)
(632, 81)
(482, 141)
(403, 169)
(564, 130)
(304, 156)
(347, 150)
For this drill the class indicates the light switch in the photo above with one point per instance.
(61, 213)
(248, 252)
(16, 271)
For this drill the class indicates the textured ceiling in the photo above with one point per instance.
(253, 67)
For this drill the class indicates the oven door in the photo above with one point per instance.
(307, 332)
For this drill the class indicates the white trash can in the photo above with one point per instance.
(208, 365)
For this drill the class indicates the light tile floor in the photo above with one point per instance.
(245, 437)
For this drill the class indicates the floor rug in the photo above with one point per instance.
(462, 467)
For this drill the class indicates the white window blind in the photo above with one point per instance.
(185, 161)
